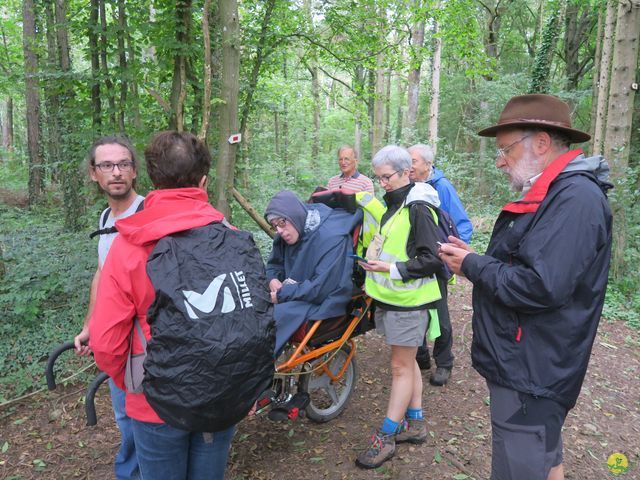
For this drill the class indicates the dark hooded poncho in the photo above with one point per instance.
(317, 262)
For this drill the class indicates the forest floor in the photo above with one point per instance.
(45, 436)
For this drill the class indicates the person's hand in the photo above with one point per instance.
(454, 253)
(275, 285)
(274, 296)
(81, 342)
(375, 266)
(455, 241)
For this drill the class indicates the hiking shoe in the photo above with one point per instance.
(382, 448)
(424, 362)
(440, 377)
(412, 431)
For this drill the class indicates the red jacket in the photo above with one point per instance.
(125, 291)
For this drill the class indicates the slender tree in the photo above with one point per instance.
(413, 80)
(619, 117)
(230, 86)
(434, 104)
(94, 53)
(604, 78)
(32, 101)
(7, 124)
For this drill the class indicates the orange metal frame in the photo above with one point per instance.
(303, 353)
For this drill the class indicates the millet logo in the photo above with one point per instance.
(206, 302)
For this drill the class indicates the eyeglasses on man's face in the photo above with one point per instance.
(106, 167)
(502, 152)
(386, 178)
(279, 223)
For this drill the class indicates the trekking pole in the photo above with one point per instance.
(49, 373)
(89, 399)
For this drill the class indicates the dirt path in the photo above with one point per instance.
(46, 437)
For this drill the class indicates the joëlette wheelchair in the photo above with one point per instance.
(317, 372)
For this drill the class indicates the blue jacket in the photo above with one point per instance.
(450, 203)
(318, 262)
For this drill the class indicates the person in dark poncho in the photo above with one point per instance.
(309, 271)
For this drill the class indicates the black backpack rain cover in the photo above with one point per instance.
(212, 331)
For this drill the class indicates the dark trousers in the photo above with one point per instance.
(442, 347)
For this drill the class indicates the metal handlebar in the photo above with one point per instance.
(49, 373)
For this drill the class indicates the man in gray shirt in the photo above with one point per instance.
(112, 165)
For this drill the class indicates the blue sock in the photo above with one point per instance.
(389, 426)
(414, 414)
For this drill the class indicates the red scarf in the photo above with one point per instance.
(534, 197)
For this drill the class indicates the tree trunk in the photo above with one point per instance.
(604, 78)
(62, 31)
(94, 53)
(434, 106)
(619, 120)
(179, 81)
(315, 136)
(285, 124)
(413, 82)
(545, 53)
(276, 133)
(229, 108)
(400, 114)
(596, 72)
(7, 125)
(206, 100)
(378, 106)
(387, 109)
(122, 66)
(105, 66)
(579, 25)
(32, 101)
(51, 91)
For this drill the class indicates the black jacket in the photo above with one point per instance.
(539, 290)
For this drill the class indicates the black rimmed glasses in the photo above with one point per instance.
(502, 152)
(106, 167)
(386, 178)
(279, 222)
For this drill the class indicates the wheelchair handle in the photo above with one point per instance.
(89, 399)
(49, 373)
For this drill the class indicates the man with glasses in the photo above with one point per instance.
(112, 165)
(309, 269)
(422, 170)
(539, 290)
(350, 178)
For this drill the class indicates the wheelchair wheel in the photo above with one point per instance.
(327, 398)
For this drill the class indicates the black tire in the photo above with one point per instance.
(328, 400)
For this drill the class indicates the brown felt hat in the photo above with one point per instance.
(538, 111)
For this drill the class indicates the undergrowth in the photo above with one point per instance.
(43, 294)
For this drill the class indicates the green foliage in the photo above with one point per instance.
(43, 293)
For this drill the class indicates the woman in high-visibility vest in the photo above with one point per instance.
(401, 278)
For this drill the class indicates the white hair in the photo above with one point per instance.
(393, 155)
(424, 151)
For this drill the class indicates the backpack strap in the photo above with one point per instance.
(103, 221)
(105, 217)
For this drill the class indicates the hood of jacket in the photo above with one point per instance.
(423, 192)
(596, 164)
(436, 174)
(168, 211)
(286, 204)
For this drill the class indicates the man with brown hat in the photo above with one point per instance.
(539, 290)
